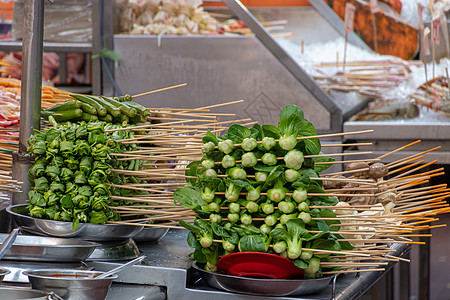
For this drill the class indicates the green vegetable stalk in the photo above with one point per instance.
(268, 143)
(226, 146)
(71, 170)
(228, 161)
(269, 159)
(277, 193)
(232, 192)
(248, 144)
(260, 176)
(208, 147)
(294, 159)
(237, 173)
(249, 159)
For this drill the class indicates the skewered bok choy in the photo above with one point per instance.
(262, 203)
(72, 167)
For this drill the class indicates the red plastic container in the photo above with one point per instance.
(258, 265)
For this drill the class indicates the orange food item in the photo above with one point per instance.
(393, 35)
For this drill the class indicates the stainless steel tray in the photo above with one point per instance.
(150, 234)
(3, 273)
(85, 231)
(112, 251)
(266, 287)
(41, 248)
(13, 292)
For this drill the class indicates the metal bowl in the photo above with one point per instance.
(266, 287)
(151, 234)
(71, 284)
(13, 292)
(3, 273)
(112, 251)
(84, 231)
(42, 248)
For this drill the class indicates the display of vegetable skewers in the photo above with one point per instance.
(92, 108)
(262, 204)
(72, 172)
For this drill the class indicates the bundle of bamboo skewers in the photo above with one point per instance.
(174, 138)
(435, 95)
(368, 78)
(372, 228)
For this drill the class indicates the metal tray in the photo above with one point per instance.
(112, 251)
(85, 231)
(41, 248)
(266, 287)
(150, 234)
(13, 292)
(3, 273)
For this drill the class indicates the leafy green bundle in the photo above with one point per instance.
(71, 169)
(262, 203)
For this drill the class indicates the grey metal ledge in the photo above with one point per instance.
(16, 46)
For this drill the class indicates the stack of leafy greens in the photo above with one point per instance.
(71, 169)
(262, 203)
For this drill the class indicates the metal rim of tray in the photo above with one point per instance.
(4, 272)
(15, 291)
(150, 234)
(43, 248)
(61, 229)
(266, 287)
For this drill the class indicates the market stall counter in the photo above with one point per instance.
(168, 266)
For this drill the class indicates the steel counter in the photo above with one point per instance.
(168, 266)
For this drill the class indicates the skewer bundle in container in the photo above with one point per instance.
(233, 211)
(166, 148)
(435, 95)
(229, 213)
(369, 78)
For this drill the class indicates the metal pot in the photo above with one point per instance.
(71, 284)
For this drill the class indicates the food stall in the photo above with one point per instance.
(167, 272)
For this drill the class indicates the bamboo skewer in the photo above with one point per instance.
(159, 90)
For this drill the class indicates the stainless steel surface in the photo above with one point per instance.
(217, 69)
(150, 234)
(121, 268)
(404, 285)
(71, 284)
(303, 21)
(97, 6)
(288, 62)
(30, 108)
(389, 135)
(168, 264)
(113, 251)
(8, 242)
(85, 231)
(424, 267)
(3, 273)
(17, 267)
(16, 46)
(263, 287)
(334, 20)
(13, 292)
(49, 249)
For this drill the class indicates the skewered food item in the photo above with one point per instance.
(361, 169)
(91, 108)
(377, 170)
(71, 176)
(263, 204)
(173, 17)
